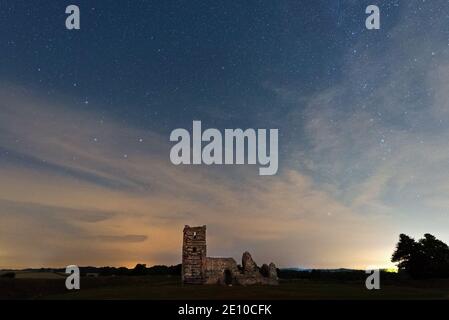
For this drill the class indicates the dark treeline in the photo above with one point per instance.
(328, 275)
(138, 270)
(426, 258)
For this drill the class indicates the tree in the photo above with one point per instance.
(140, 269)
(427, 258)
(436, 253)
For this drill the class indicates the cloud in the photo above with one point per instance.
(74, 199)
(58, 212)
(126, 238)
(377, 139)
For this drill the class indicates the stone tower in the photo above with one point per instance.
(194, 255)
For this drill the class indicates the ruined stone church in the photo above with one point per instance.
(198, 268)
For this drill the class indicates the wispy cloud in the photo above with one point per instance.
(73, 197)
(377, 140)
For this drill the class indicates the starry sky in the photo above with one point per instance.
(85, 119)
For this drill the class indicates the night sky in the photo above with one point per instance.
(85, 119)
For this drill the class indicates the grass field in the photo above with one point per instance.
(169, 287)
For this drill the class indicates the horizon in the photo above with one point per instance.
(164, 265)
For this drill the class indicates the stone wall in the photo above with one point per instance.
(251, 274)
(197, 268)
(194, 255)
(221, 271)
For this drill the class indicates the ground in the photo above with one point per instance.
(169, 287)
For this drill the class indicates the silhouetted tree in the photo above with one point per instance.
(436, 254)
(140, 269)
(429, 257)
(407, 251)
